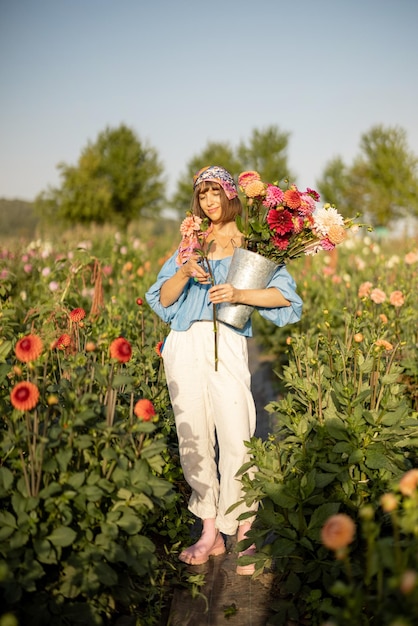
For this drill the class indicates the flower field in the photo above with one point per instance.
(92, 501)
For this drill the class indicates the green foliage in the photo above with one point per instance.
(90, 495)
(17, 218)
(213, 154)
(382, 182)
(347, 433)
(265, 152)
(117, 179)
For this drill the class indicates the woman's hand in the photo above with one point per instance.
(223, 293)
(193, 269)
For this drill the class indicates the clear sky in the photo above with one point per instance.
(181, 73)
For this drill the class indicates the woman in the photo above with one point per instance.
(214, 405)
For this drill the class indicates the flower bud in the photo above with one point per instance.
(389, 502)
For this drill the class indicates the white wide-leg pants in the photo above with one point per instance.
(211, 404)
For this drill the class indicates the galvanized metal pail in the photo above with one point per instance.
(248, 270)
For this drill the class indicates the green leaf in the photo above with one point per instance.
(356, 457)
(106, 574)
(376, 459)
(336, 429)
(279, 495)
(130, 523)
(7, 525)
(343, 447)
(324, 479)
(44, 551)
(93, 493)
(322, 513)
(393, 417)
(53, 489)
(121, 380)
(62, 536)
(6, 480)
(76, 480)
(5, 348)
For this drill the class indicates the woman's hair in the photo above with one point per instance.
(230, 208)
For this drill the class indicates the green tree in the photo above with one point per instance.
(117, 178)
(266, 152)
(382, 182)
(384, 178)
(221, 154)
(334, 185)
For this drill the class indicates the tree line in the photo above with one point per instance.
(119, 178)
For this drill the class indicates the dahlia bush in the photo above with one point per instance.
(337, 479)
(87, 497)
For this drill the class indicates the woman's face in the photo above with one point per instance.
(210, 203)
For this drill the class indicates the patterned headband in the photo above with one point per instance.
(218, 175)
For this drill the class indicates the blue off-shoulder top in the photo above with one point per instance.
(193, 304)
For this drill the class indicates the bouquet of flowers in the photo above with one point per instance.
(283, 225)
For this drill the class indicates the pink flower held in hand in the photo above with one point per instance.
(338, 532)
(396, 298)
(377, 296)
(190, 225)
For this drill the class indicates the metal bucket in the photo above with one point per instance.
(248, 270)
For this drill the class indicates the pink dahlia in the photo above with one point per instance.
(326, 244)
(307, 205)
(274, 196)
(190, 225)
(397, 298)
(364, 289)
(377, 296)
(314, 194)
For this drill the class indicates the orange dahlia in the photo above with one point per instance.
(28, 348)
(408, 484)
(247, 177)
(24, 396)
(144, 410)
(338, 531)
(77, 315)
(292, 198)
(382, 343)
(158, 347)
(337, 234)
(255, 188)
(63, 342)
(121, 350)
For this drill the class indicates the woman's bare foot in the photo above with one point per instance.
(210, 543)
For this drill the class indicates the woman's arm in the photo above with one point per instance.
(265, 298)
(174, 286)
